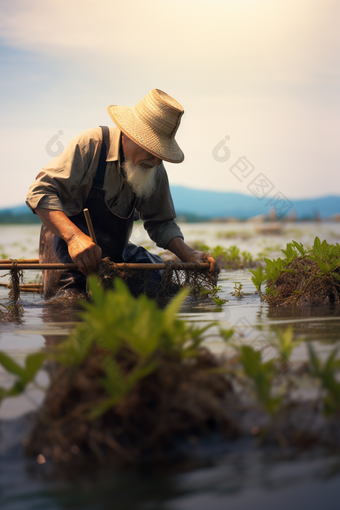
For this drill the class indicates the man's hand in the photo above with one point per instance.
(187, 254)
(83, 251)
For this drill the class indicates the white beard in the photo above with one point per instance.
(142, 180)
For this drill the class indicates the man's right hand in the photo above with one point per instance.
(84, 252)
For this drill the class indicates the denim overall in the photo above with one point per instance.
(112, 233)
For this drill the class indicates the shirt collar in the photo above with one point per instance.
(115, 138)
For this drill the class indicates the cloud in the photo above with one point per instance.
(266, 73)
(220, 42)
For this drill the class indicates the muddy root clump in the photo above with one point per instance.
(177, 400)
(302, 283)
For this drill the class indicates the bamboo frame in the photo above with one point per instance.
(122, 266)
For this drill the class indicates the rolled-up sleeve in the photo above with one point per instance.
(158, 213)
(64, 183)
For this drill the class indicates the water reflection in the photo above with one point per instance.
(235, 476)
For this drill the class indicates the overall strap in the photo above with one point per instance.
(98, 181)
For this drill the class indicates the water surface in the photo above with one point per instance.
(234, 475)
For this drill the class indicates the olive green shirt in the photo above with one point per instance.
(65, 183)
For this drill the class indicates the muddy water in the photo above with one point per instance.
(234, 475)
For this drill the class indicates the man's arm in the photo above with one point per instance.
(187, 254)
(83, 251)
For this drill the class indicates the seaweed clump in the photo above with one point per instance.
(176, 276)
(128, 382)
(303, 277)
(13, 311)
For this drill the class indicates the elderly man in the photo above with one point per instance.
(118, 174)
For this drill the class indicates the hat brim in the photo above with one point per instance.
(143, 135)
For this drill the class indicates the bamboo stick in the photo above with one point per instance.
(89, 225)
(122, 266)
(24, 286)
(22, 261)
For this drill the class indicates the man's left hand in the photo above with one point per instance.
(202, 256)
(187, 254)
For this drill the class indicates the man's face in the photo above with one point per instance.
(138, 156)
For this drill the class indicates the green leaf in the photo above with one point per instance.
(96, 289)
(335, 275)
(3, 394)
(10, 365)
(100, 408)
(300, 248)
(226, 333)
(219, 301)
(141, 372)
(113, 382)
(33, 364)
(323, 266)
(313, 358)
(285, 343)
(258, 277)
(174, 306)
(262, 376)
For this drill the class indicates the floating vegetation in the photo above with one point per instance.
(303, 277)
(237, 292)
(269, 250)
(293, 232)
(228, 258)
(133, 381)
(234, 234)
(212, 292)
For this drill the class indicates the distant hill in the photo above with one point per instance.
(20, 214)
(201, 205)
(237, 205)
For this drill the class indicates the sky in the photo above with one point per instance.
(258, 79)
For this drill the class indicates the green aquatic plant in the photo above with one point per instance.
(262, 375)
(213, 292)
(113, 321)
(258, 278)
(220, 301)
(23, 375)
(231, 257)
(137, 374)
(327, 373)
(285, 343)
(237, 290)
(247, 257)
(200, 246)
(268, 250)
(233, 234)
(304, 277)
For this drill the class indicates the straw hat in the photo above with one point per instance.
(152, 124)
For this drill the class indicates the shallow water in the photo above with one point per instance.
(238, 476)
